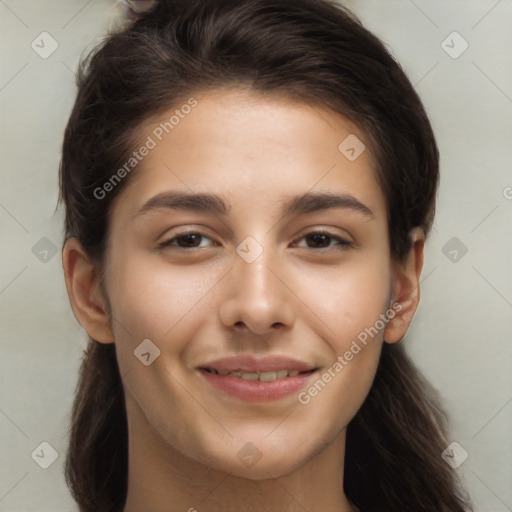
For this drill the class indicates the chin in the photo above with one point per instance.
(263, 469)
(256, 464)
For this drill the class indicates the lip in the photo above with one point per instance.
(251, 364)
(257, 391)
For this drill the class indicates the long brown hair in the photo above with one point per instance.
(309, 50)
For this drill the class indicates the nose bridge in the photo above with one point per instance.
(256, 283)
(255, 278)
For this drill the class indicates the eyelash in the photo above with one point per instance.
(343, 244)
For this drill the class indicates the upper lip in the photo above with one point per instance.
(251, 364)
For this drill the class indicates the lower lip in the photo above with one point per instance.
(255, 390)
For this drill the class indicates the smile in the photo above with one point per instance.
(268, 376)
(266, 386)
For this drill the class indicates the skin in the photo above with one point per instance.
(297, 299)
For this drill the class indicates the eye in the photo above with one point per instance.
(192, 240)
(320, 238)
(185, 241)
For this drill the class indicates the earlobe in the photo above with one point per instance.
(85, 292)
(406, 289)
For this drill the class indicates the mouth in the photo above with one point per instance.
(257, 380)
(267, 376)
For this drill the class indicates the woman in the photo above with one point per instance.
(248, 188)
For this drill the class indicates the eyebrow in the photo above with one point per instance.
(312, 202)
(211, 203)
(208, 203)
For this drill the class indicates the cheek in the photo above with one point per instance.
(154, 300)
(349, 300)
(353, 299)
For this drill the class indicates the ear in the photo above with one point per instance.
(87, 298)
(406, 288)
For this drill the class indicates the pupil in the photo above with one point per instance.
(188, 238)
(318, 237)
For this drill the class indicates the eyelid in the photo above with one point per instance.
(167, 241)
(343, 243)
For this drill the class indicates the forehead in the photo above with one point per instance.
(252, 149)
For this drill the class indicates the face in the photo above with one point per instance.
(256, 281)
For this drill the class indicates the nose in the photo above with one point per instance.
(258, 299)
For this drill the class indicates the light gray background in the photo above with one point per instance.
(462, 331)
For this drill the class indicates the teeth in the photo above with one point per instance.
(249, 376)
(263, 376)
(268, 376)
